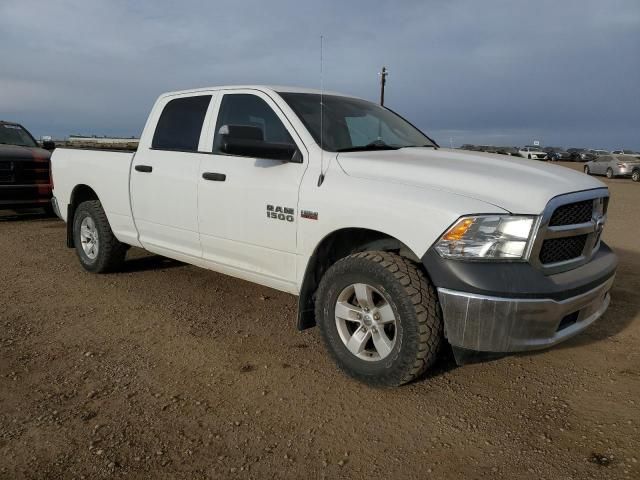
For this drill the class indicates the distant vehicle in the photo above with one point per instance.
(25, 180)
(599, 153)
(532, 153)
(507, 151)
(471, 148)
(488, 148)
(580, 155)
(625, 152)
(557, 154)
(613, 166)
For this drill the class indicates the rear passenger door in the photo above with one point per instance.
(164, 177)
(248, 206)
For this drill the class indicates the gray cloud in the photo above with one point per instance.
(493, 71)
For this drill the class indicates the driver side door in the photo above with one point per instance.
(248, 206)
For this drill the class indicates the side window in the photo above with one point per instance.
(240, 109)
(180, 124)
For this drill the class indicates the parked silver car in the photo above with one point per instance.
(613, 166)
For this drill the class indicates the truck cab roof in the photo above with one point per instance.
(263, 88)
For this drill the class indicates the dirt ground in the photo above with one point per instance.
(170, 371)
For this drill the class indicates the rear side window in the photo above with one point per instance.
(180, 124)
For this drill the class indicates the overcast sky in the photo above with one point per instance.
(499, 72)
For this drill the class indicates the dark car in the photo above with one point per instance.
(472, 148)
(507, 151)
(557, 154)
(25, 179)
(580, 155)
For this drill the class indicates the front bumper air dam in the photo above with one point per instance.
(498, 308)
(495, 324)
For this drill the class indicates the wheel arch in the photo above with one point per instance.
(80, 193)
(334, 246)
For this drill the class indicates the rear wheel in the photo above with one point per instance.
(529, 156)
(609, 173)
(98, 249)
(635, 176)
(379, 317)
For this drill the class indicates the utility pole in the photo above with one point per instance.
(383, 81)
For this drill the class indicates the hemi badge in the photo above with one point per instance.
(309, 214)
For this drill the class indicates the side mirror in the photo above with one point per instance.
(248, 141)
(49, 145)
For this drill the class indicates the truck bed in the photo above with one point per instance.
(107, 174)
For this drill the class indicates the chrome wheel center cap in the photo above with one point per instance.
(368, 321)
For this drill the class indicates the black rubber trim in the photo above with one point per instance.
(519, 280)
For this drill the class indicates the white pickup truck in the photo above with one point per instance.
(393, 244)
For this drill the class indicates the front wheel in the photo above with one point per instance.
(586, 170)
(609, 173)
(98, 249)
(635, 176)
(379, 317)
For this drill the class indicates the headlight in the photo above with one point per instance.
(487, 237)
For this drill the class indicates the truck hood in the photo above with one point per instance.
(515, 184)
(16, 152)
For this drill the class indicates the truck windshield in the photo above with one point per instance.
(351, 124)
(15, 135)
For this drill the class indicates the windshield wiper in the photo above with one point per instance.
(421, 146)
(377, 145)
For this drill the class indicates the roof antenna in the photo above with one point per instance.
(321, 177)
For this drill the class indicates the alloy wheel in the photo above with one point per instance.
(366, 322)
(89, 238)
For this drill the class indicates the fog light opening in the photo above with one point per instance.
(568, 320)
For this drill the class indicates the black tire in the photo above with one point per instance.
(110, 252)
(419, 326)
(609, 173)
(586, 170)
(529, 156)
(635, 175)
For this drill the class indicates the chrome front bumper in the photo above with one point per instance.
(497, 324)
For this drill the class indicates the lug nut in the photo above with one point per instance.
(376, 316)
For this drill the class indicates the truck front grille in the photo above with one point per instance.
(572, 213)
(570, 229)
(562, 249)
(24, 172)
(6, 172)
